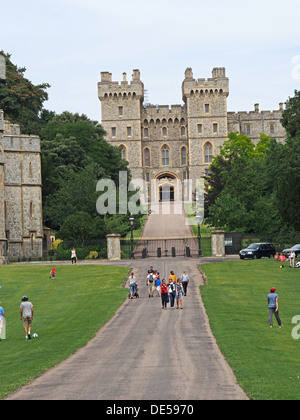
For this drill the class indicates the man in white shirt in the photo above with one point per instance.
(26, 316)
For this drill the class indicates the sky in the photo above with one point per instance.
(68, 43)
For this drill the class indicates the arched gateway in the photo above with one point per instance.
(166, 187)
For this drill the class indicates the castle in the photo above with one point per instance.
(21, 227)
(172, 144)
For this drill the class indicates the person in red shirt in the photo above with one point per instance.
(164, 293)
(52, 273)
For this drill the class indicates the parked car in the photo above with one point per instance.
(258, 250)
(296, 248)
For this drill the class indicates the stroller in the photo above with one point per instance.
(136, 294)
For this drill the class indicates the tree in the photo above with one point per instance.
(238, 191)
(291, 115)
(22, 101)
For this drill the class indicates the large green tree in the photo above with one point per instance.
(238, 192)
(21, 100)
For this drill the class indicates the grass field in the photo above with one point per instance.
(68, 311)
(265, 361)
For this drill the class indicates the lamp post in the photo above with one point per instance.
(199, 237)
(131, 227)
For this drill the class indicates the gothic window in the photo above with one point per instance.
(183, 156)
(248, 130)
(164, 132)
(165, 156)
(146, 132)
(272, 129)
(146, 157)
(208, 153)
(183, 131)
(123, 152)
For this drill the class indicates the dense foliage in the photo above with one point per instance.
(75, 157)
(255, 188)
(22, 101)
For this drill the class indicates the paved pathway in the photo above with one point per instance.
(145, 353)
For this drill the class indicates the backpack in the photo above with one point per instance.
(151, 278)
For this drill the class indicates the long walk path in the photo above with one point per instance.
(145, 353)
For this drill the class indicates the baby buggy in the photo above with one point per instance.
(136, 292)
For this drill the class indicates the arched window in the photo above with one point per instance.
(183, 156)
(208, 153)
(123, 152)
(165, 156)
(147, 157)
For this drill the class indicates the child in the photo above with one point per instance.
(52, 273)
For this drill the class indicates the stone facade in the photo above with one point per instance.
(176, 143)
(21, 228)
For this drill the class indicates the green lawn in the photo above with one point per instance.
(68, 311)
(265, 361)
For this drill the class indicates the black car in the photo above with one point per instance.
(258, 250)
(295, 248)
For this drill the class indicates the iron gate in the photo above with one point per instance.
(166, 247)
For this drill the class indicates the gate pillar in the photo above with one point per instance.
(113, 246)
(218, 243)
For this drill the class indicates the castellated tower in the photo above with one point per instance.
(206, 102)
(21, 227)
(2, 196)
(121, 105)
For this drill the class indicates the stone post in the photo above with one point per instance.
(113, 246)
(218, 243)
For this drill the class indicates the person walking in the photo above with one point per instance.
(151, 279)
(179, 293)
(73, 256)
(185, 281)
(26, 316)
(273, 308)
(292, 257)
(164, 293)
(172, 292)
(132, 285)
(2, 324)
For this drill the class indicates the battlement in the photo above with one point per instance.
(275, 114)
(218, 84)
(109, 89)
(166, 112)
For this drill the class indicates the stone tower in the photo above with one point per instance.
(206, 103)
(121, 106)
(2, 192)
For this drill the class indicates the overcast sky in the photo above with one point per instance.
(67, 43)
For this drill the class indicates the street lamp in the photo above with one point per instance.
(131, 219)
(198, 218)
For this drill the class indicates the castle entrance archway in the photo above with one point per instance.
(167, 187)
